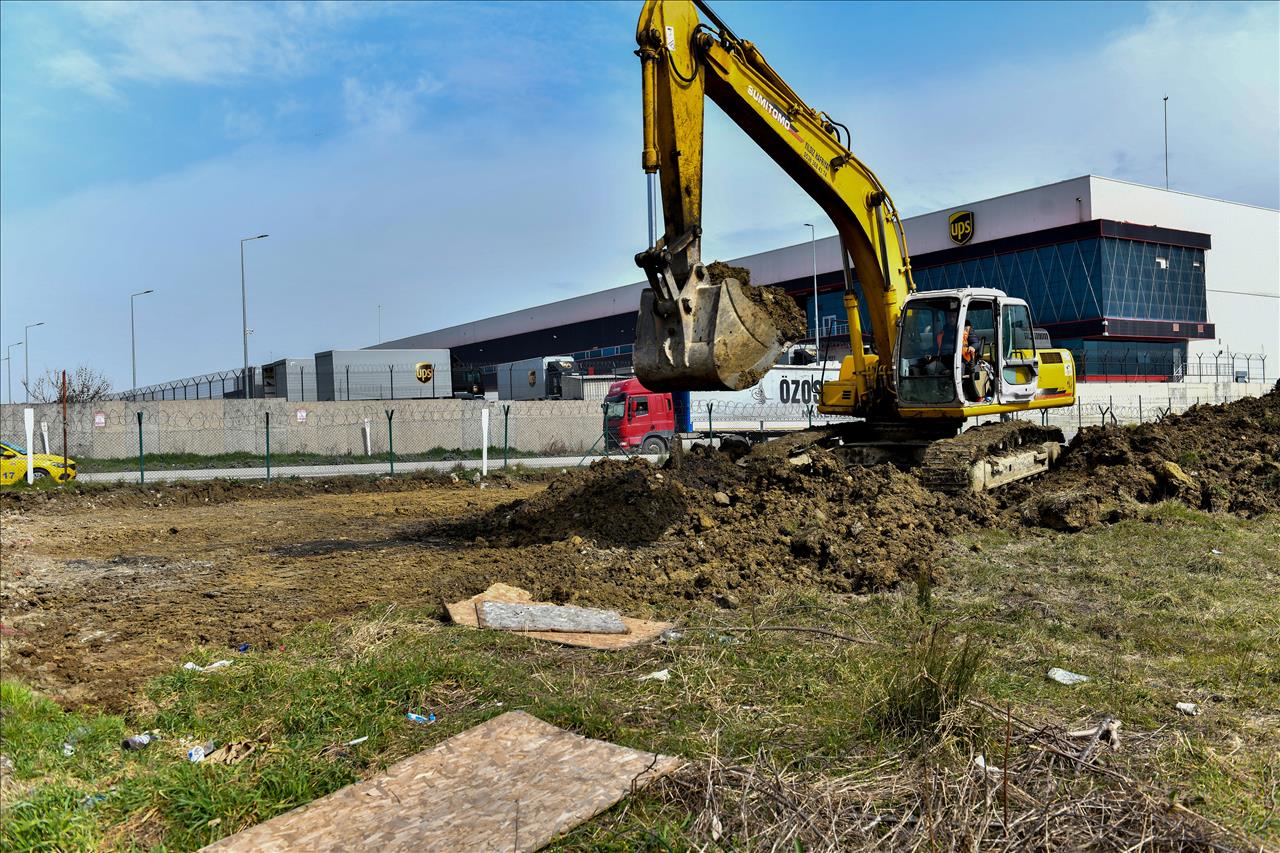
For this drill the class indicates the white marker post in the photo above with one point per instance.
(29, 419)
(484, 442)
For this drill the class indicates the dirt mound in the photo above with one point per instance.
(705, 526)
(1223, 458)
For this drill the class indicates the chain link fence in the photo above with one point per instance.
(111, 440)
(1113, 404)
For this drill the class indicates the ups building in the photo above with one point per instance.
(1140, 283)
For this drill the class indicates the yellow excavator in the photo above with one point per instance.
(934, 359)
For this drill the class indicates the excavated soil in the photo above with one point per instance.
(105, 589)
(1223, 458)
(781, 309)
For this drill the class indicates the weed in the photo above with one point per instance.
(934, 678)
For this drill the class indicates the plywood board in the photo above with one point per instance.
(638, 630)
(513, 783)
(518, 616)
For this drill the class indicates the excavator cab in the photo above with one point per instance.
(970, 349)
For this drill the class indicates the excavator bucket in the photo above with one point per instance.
(712, 337)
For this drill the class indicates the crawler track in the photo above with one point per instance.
(989, 456)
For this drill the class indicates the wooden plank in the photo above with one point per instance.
(638, 630)
(516, 616)
(512, 783)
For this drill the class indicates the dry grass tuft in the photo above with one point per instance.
(1040, 802)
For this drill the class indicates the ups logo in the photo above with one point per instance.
(425, 371)
(961, 224)
(533, 378)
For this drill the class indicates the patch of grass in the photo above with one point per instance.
(1130, 605)
(937, 674)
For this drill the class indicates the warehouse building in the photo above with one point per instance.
(1140, 283)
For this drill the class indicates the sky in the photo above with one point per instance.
(454, 161)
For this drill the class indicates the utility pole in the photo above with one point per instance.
(244, 315)
(1166, 142)
(379, 324)
(813, 243)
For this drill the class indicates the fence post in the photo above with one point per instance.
(391, 373)
(391, 446)
(484, 442)
(808, 410)
(268, 414)
(506, 416)
(710, 431)
(142, 472)
(348, 383)
(1079, 414)
(1139, 408)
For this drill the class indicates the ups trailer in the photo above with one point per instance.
(383, 374)
(533, 378)
(290, 379)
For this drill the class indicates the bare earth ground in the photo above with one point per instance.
(1148, 560)
(95, 603)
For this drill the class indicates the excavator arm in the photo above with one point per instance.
(696, 334)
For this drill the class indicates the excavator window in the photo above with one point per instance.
(927, 356)
(982, 315)
(1017, 333)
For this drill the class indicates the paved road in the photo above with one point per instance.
(335, 470)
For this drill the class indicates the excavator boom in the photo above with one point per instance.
(694, 333)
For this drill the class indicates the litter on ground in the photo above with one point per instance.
(1063, 676)
(210, 668)
(660, 675)
(512, 783)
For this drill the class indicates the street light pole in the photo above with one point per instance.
(133, 337)
(813, 242)
(244, 315)
(8, 356)
(1166, 142)
(26, 360)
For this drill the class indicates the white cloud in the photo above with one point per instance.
(440, 228)
(1096, 109)
(241, 124)
(386, 107)
(80, 70)
(200, 43)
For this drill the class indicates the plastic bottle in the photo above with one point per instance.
(137, 743)
(418, 718)
(197, 753)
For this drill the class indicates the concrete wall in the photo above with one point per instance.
(109, 430)
(549, 427)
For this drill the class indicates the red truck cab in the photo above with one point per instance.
(637, 418)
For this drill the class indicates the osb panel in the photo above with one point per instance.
(513, 783)
(639, 630)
